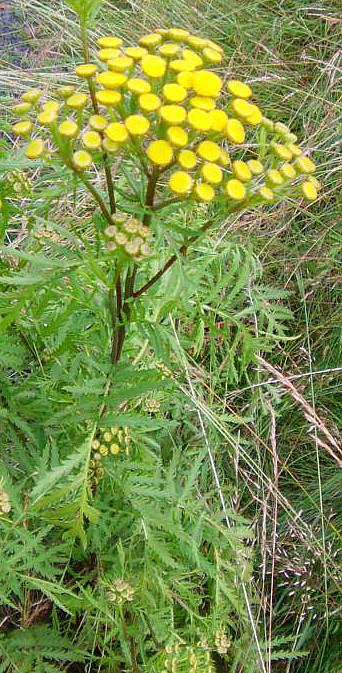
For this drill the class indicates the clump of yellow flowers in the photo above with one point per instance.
(163, 103)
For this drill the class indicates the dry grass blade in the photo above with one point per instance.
(331, 445)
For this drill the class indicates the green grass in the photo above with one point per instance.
(272, 464)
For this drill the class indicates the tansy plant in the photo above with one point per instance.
(194, 136)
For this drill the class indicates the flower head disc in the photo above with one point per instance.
(274, 178)
(235, 190)
(116, 132)
(97, 122)
(208, 150)
(68, 129)
(212, 174)
(31, 96)
(255, 166)
(203, 103)
(65, 91)
(224, 158)
(120, 64)
(309, 191)
(34, 149)
(168, 49)
(138, 86)
(241, 171)
(160, 152)
(136, 52)
(105, 55)
(173, 114)
(288, 171)
(304, 165)
(77, 101)
(86, 70)
(206, 83)
(212, 55)
(174, 93)
(239, 89)
(91, 140)
(180, 182)
(178, 33)
(281, 151)
(82, 160)
(107, 97)
(47, 117)
(22, 108)
(235, 131)
(110, 146)
(177, 136)
(22, 128)
(149, 102)
(187, 159)
(218, 120)
(185, 79)
(199, 119)
(266, 194)
(204, 192)
(111, 80)
(150, 40)
(109, 42)
(137, 125)
(153, 66)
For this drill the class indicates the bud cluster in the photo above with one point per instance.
(107, 441)
(120, 592)
(127, 235)
(20, 182)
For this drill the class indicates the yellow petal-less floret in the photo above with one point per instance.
(256, 117)
(153, 66)
(204, 192)
(314, 181)
(149, 102)
(65, 91)
(168, 49)
(196, 42)
(108, 97)
(22, 128)
(111, 80)
(77, 101)
(212, 174)
(82, 160)
(214, 45)
(218, 120)
(203, 103)
(31, 96)
(136, 52)
(224, 158)
(274, 178)
(109, 42)
(304, 165)
(212, 55)
(51, 106)
(138, 86)
(199, 119)
(180, 65)
(150, 40)
(137, 125)
(242, 107)
(174, 93)
(208, 150)
(97, 122)
(22, 108)
(91, 140)
(86, 70)
(180, 182)
(173, 114)
(160, 152)
(266, 193)
(207, 83)
(177, 136)
(185, 79)
(116, 132)
(296, 151)
(238, 88)
(68, 129)
(178, 33)
(187, 159)
(110, 146)
(195, 59)
(281, 151)
(309, 191)
(241, 171)
(235, 189)
(288, 171)
(235, 131)
(255, 166)
(47, 117)
(35, 149)
(120, 64)
(106, 55)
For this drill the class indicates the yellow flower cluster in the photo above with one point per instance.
(108, 441)
(162, 102)
(120, 592)
(128, 236)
